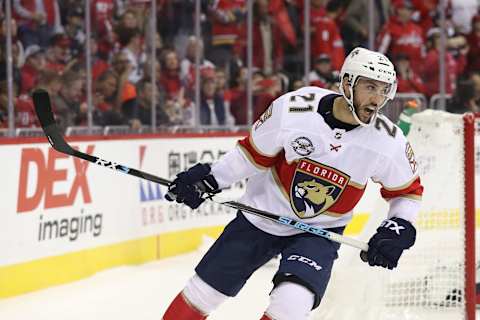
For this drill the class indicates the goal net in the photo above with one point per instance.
(435, 279)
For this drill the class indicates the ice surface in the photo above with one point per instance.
(138, 292)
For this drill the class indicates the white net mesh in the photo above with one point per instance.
(429, 281)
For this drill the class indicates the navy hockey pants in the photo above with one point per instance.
(242, 248)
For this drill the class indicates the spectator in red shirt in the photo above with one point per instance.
(102, 12)
(99, 65)
(228, 20)
(268, 42)
(408, 80)
(177, 103)
(317, 12)
(266, 90)
(284, 20)
(102, 15)
(30, 72)
(187, 65)
(401, 35)
(325, 34)
(58, 53)
(327, 40)
(473, 40)
(431, 74)
(238, 96)
(426, 11)
(170, 79)
(25, 116)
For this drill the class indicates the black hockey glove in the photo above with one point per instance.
(190, 186)
(386, 246)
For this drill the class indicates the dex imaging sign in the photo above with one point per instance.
(41, 171)
(53, 204)
(48, 180)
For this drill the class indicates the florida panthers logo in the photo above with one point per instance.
(315, 193)
(315, 188)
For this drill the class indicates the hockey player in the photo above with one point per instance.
(309, 156)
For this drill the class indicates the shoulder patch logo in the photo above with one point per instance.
(315, 188)
(302, 146)
(411, 157)
(264, 117)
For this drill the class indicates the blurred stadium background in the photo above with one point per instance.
(139, 66)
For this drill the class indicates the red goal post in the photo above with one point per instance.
(471, 129)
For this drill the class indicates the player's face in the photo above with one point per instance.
(369, 96)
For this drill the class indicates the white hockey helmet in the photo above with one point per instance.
(362, 62)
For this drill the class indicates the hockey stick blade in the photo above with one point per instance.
(43, 109)
(41, 100)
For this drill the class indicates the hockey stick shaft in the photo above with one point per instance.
(44, 113)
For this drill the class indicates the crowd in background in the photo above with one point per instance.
(49, 41)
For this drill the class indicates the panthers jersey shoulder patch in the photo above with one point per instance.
(263, 117)
(411, 157)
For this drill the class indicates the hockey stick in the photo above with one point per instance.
(43, 109)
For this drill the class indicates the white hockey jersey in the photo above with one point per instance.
(298, 166)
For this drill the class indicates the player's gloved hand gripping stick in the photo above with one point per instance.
(393, 236)
(191, 186)
(44, 113)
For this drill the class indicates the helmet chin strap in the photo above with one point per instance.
(351, 107)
